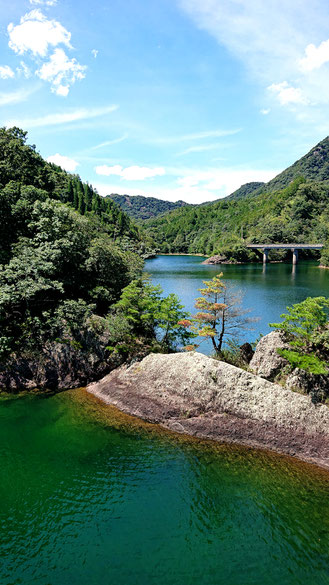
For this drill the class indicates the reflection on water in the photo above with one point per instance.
(91, 496)
(267, 289)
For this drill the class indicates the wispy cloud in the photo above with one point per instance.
(62, 118)
(274, 55)
(20, 95)
(199, 148)
(109, 142)
(195, 136)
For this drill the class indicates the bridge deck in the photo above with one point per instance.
(287, 246)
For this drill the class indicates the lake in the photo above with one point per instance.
(267, 291)
(89, 496)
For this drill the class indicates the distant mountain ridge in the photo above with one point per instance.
(141, 208)
(292, 207)
(313, 166)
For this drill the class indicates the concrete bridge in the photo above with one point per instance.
(293, 247)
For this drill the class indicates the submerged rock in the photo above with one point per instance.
(198, 395)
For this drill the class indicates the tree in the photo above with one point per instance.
(220, 314)
(153, 316)
(307, 330)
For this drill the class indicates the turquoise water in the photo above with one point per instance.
(89, 496)
(266, 291)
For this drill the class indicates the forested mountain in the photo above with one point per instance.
(65, 255)
(245, 190)
(139, 207)
(293, 207)
(314, 166)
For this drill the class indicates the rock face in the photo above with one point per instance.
(266, 362)
(216, 260)
(195, 394)
(60, 366)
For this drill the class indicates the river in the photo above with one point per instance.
(89, 496)
(266, 291)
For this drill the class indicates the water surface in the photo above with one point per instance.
(267, 291)
(90, 496)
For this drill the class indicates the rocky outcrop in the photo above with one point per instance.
(266, 362)
(316, 385)
(195, 394)
(216, 260)
(58, 366)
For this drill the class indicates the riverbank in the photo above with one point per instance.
(197, 395)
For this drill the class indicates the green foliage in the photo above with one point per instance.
(299, 213)
(152, 316)
(306, 328)
(309, 363)
(140, 208)
(65, 252)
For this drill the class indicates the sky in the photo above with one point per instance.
(175, 99)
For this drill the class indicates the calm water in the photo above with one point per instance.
(267, 291)
(89, 496)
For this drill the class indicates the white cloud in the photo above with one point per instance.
(24, 70)
(62, 118)
(194, 186)
(61, 72)
(287, 94)
(94, 52)
(133, 173)
(270, 53)
(36, 33)
(265, 111)
(6, 72)
(315, 57)
(68, 164)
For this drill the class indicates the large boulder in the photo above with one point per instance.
(195, 394)
(266, 362)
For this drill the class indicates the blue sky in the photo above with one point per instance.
(177, 99)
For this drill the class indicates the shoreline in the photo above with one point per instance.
(154, 393)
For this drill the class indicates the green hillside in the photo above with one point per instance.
(314, 166)
(245, 190)
(140, 208)
(293, 207)
(65, 255)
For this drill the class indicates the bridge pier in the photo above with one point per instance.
(265, 255)
(294, 256)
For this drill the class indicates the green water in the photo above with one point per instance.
(267, 291)
(89, 496)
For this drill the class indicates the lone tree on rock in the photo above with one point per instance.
(220, 314)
